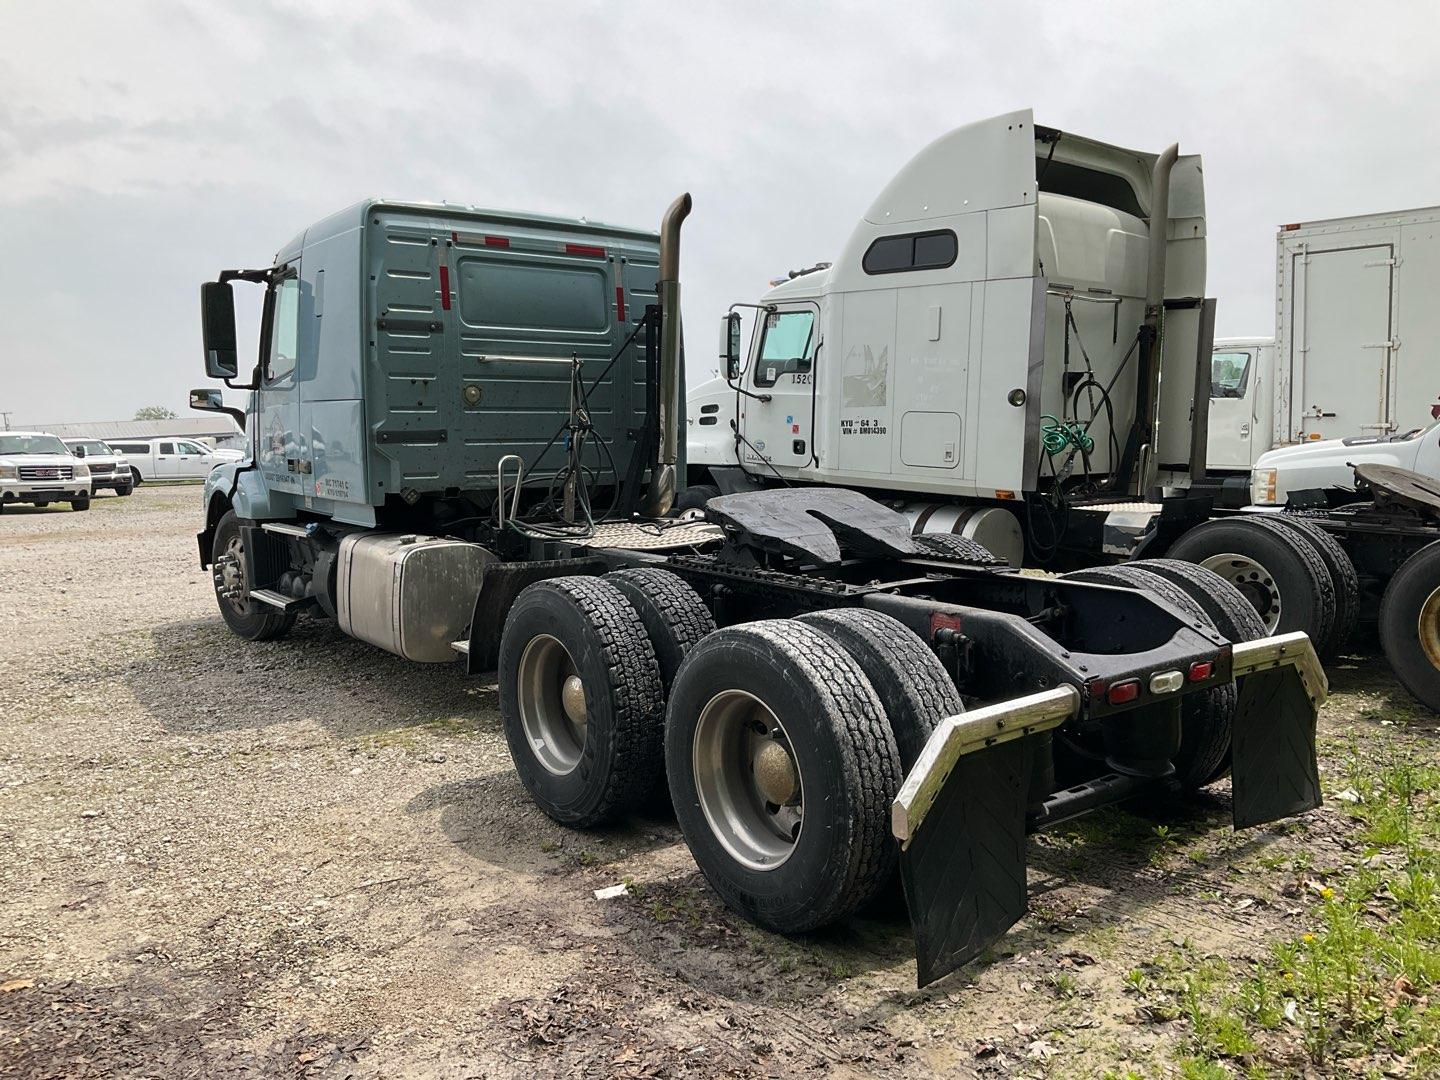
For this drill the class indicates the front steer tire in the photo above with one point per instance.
(79, 504)
(249, 619)
(594, 760)
(1410, 625)
(838, 853)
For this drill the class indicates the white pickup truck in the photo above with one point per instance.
(108, 469)
(36, 467)
(1328, 465)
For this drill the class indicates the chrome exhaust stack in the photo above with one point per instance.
(660, 495)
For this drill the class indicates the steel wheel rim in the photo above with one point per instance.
(552, 706)
(230, 577)
(1428, 628)
(740, 756)
(1252, 578)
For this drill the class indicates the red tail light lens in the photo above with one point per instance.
(1123, 692)
(1201, 670)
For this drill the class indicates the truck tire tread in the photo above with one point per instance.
(675, 617)
(784, 655)
(1223, 604)
(626, 767)
(1342, 576)
(1402, 637)
(913, 685)
(1309, 600)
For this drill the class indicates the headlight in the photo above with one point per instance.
(81, 470)
(8, 471)
(1262, 487)
(122, 467)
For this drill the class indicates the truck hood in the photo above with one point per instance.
(37, 459)
(1385, 450)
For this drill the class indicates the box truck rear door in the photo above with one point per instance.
(1340, 347)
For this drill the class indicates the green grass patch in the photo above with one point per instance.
(1361, 988)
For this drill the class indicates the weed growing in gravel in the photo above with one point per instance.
(1362, 987)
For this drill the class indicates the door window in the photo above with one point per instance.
(188, 447)
(284, 329)
(1229, 374)
(167, 448)
(788, 346)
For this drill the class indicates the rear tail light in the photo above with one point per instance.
(1201, 670)
(1122, 693)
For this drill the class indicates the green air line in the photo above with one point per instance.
(1057, 435)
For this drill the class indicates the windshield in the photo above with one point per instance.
(1229, 374)
(31, 444)
(91, 447)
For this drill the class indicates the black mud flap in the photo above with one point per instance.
(964, 869)
(1273, 767)
(500, 584)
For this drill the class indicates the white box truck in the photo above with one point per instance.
(1355, 356)
(1357, 336)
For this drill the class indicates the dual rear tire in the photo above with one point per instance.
(1294, 574)
(784, 742)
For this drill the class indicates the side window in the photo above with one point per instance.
(188, 447)
(1229, 374)
(167, 448)
(911, 251)
(788, 346)
(284, 329)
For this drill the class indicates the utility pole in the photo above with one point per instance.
(6, 417)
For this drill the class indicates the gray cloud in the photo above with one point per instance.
(144, 146)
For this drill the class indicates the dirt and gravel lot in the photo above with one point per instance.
(311, 858)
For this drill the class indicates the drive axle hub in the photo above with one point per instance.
(774, 773)
(572, 698)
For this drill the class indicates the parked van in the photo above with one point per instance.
(171, 458)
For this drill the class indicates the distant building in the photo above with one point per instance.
(216, 429)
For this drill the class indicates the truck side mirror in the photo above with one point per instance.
(208, 399)
(77, 451)
(217, 312)
(730, 344)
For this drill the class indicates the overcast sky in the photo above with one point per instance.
(146, 145)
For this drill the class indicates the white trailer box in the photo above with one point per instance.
(1357, 346)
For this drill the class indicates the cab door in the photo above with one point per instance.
(167, 460)
(780, 431)
(283, 451)
(1231, 441)
(190, 460)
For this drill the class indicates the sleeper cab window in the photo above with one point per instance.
(911, 251)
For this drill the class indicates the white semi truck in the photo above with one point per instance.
(1011, 347)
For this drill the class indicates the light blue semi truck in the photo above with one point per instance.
(463, 441)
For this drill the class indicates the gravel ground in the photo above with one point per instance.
(311, 858)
